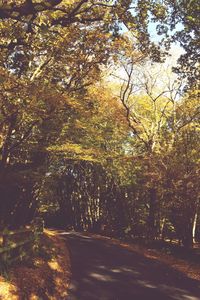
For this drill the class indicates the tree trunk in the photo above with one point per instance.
(187, 239)
(194, 225)
(162, 226)
(152, 214)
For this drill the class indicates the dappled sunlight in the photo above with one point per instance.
(64, 233)
(54, 265)
(38, 262)
(33, 296)
(191, 270)
(61, 286)
(129, 270)
(115, 270)
(177, 293)
(46, 276)
(106, 270)
(186, 297)
(8, 291)
(101, 277)
(101, 267)
(146, 284)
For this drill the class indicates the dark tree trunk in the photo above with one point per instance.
(187, 239)
(152, 214)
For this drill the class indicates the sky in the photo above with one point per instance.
(161, 71)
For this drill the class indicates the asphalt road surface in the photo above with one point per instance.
(102, 271)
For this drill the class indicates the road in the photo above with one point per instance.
(103, 271)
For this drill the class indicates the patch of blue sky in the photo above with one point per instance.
(157, 38)
(152, 26)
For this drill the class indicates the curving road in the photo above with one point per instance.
(101, 271)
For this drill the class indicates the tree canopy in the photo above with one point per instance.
(95, 132)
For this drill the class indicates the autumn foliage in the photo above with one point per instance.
(93, 135)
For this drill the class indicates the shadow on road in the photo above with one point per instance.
(102, 271)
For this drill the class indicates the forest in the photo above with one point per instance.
(98, 132)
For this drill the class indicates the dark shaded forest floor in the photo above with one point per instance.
(107, 269)
(43, 277)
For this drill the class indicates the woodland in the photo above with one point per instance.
(96, 132)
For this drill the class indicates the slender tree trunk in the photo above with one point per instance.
(194, 227)
(162, 226)
(5, 158)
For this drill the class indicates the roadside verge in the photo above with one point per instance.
(45, 276)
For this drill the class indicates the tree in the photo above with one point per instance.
(180, 178)
(179, 22)
(149, 103)
(51, 53)
(81, 181)
(70, 145)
